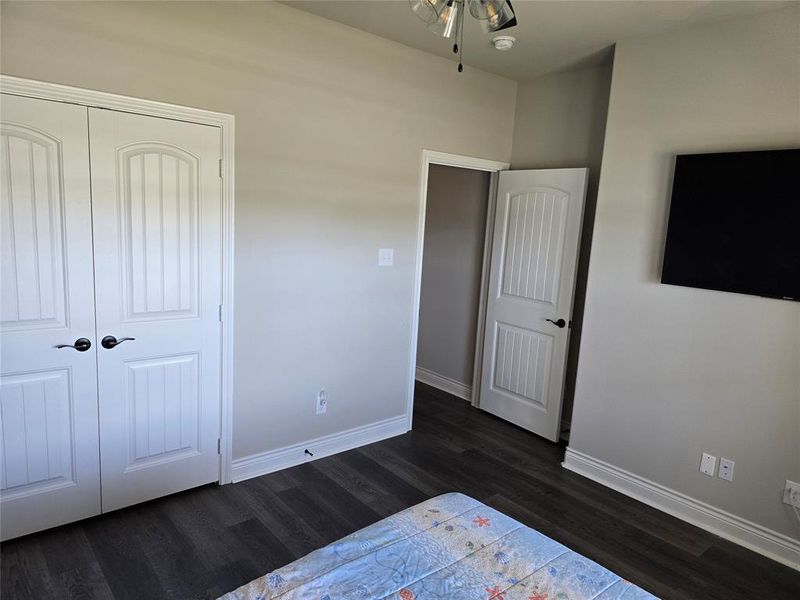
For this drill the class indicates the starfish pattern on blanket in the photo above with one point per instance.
(494, 593)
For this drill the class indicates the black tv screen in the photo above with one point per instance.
(734, 223)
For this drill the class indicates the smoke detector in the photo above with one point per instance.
(503, 42)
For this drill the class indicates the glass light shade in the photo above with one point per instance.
(492, 14)
(427, 10)
(446, 24)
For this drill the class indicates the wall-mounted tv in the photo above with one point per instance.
(734, 223)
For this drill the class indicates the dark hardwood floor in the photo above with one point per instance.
(207, 541)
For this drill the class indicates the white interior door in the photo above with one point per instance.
(157, 239)
(48, 395)
(531, 283)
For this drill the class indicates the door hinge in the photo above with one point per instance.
(220, 168)
(219, 445)
(219, 314)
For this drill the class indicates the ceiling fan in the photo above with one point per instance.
(446, 18)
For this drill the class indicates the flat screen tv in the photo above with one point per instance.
(734, 223)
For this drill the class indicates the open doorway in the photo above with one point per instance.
(455, 230)
(456, 209)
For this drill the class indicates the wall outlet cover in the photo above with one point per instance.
(726, 469)
(791, 493)
(707, 464)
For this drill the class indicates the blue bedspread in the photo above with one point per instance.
(450, 547)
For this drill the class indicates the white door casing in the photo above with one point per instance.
(156, 191)
(532, 277)
(48, 396)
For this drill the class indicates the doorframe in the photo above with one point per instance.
(428, 158)
(44, 90)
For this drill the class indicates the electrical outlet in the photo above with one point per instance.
(791, 493)
(707, 464)
(726, 469)
(322, 402)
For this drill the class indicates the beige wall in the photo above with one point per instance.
(330, 124)
(560, 123)
(668, 372)
(455, 225)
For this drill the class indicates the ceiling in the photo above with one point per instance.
(551, 36)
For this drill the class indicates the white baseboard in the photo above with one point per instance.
(765, 541)
(290, 456)
(440, 382)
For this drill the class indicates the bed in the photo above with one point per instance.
(449, 547)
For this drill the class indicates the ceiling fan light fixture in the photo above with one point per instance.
(427, 10)
(492, 14)
(445, 18)
(446, 25)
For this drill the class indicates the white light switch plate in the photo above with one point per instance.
(707, 464)
(385, 257)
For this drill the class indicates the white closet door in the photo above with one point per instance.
(157, 241)
(48, 396)
(531, 284)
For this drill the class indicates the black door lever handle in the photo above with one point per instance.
(561, 323)
(81, 345)
(110, 341)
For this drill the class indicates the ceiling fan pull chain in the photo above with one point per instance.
(455, 44)
(460, 41)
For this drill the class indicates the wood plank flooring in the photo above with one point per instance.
(207, 541)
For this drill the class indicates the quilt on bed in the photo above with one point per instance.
(450, 547)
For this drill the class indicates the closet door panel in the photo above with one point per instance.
(157, 231)
(49, 473)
